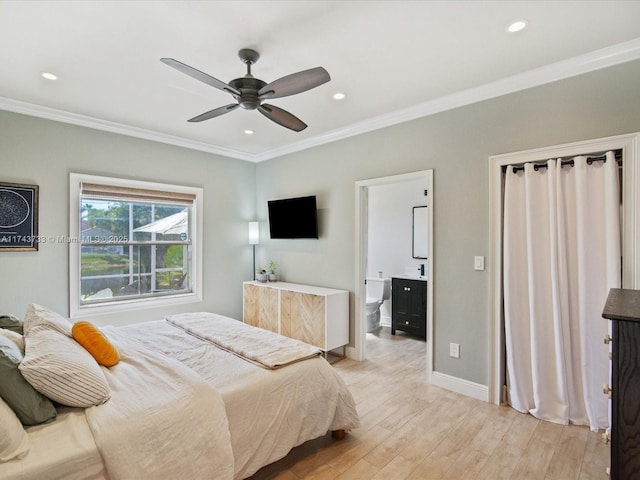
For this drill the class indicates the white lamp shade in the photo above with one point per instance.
(254, 233)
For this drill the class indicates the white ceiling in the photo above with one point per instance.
(394, 60)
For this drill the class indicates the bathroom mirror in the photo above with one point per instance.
(420, 232)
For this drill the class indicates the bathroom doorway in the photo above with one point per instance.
(393, 250)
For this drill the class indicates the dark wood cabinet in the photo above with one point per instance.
(409, 306)
(623, 309)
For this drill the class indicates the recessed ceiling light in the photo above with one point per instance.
(338, 96)
(49, 76)
(516, 26)
(249, 132)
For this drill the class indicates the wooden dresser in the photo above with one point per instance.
(315, 315)
(623, 309)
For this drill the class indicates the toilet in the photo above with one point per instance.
(378, 290)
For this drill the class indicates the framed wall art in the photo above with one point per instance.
(18, 217)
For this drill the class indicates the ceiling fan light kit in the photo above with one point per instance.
(250, 92)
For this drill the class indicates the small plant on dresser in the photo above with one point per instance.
(272, 270)
(261, 274)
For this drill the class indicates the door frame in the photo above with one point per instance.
(358, 352)
(629, 144)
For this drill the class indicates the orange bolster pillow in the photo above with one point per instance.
(95, 343)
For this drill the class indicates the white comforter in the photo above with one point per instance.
(163, 420)
(269, 411)
(262, 347)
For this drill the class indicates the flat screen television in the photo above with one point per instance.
(293, 217)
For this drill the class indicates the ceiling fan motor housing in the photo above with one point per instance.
(248, 88)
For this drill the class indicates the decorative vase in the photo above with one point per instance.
(262, 277)
(273, 277)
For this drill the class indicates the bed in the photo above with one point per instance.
(185, 401)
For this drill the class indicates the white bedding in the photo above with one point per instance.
(262, 347)
(268, 411)
(62, 450)
(163, 420)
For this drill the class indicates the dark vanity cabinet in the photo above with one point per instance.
(409, 306)
(623, 309)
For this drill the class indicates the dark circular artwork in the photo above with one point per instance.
(14, 209)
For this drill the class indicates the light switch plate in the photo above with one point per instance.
(454, 350)
(478, 263)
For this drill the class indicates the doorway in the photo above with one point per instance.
(630, 229)
(363, 189)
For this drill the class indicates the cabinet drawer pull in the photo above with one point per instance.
(407, 289)
(607, 339)
(406, 323)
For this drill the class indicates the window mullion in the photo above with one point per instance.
(131, 277)
(153, 252)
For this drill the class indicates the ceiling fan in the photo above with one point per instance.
(250, 92)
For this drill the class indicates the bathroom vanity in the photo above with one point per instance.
(409, 305)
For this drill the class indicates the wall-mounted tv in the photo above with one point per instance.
(293, 217)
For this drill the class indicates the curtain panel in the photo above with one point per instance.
(562, 254)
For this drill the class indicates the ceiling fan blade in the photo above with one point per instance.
(295, 83)
(282, 117)
(216, 112)
(198, 75)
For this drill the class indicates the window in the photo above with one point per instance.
(135, 244)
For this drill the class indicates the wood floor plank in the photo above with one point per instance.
(596, 458)
(414, 431)
(362, 470)
(535, 459)
(396, 469)
(569, 454)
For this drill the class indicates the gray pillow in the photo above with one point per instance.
(30, 406)
(11, 323)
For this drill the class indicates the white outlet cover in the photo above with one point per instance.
(478, 262)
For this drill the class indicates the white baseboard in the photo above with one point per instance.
(354, 353)
(460, 385)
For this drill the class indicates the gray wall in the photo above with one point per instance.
(455, 144)
(42, 152)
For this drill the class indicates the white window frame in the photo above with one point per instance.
(195, 271)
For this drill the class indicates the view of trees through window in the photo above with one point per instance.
(133, 249)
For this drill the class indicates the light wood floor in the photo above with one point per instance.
(411, 430)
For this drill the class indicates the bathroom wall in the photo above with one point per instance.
(390, 231)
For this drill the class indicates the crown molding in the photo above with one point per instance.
(63, 116)
(596, 60)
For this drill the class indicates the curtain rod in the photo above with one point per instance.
(592, 157)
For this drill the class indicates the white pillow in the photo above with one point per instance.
(14, 337)
(39, 315)
(61, 369)
(14, 442)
